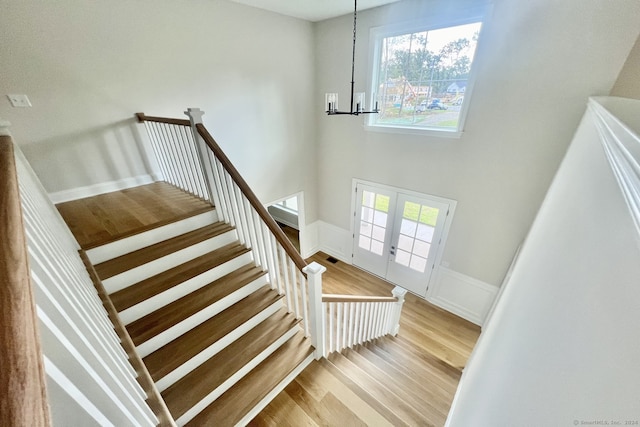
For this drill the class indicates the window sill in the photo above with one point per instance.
(414, 131)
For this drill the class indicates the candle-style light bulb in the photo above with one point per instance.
(358, 99)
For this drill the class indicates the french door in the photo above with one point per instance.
(398, 235)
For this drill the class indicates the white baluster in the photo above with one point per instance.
(350, 341)
(294, 283)
(305, 308)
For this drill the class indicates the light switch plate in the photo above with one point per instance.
(19, 100)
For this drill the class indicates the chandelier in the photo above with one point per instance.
(357, 99)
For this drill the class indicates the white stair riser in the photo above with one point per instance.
(151, 237)
(186, 325)
(206, 354)
(237, 376)
(152, 304)
(167, 262)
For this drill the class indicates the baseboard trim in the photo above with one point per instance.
(103, 187)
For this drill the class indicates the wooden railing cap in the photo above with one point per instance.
(356, 298)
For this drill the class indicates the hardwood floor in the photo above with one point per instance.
(107, 217)
(405, 380)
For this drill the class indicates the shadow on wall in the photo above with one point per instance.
(108, 153)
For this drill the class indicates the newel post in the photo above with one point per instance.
(399, 293)
(195, 117)
(316, 313)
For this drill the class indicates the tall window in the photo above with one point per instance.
(421, 76)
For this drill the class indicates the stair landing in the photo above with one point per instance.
(102, 219)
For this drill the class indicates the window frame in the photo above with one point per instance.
(435, 22)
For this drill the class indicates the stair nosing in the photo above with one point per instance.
(117, 265)
(188, 353)
(301, 351)
(160, 320)
(284, 324)
(168, 279)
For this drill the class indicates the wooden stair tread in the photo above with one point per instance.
(435, 406)
(106, 239)
(172, 355)
(378, 391)
(363, 394)
(395, 387)
(432, 370)
(142, 256)
(197, 384)
(145, 289)
(171, 314)
(233, 405)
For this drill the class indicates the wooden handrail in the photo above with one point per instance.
(249, 194)
(356, 298)
(23, 398)
(143, 118)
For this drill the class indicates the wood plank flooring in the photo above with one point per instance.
(405, 380)
(107, 217)
(431, 348)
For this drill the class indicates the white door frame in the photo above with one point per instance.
(302, 229)
(445, 232)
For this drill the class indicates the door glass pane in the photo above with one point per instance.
(365, 229)
(403, 257)
(377, 247)
(373, 221)
(365, 242)
(367, 198)
(380, 218)
(382, 203)
(425, 232)
(418, 263)
(429, 215)
(411, 211)
(421, 248)
(405, 243)
(378, 233)
(408, 228)
(367, 214)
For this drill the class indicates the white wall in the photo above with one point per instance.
(561, 347)
(87, 67)
(537, 63)
(628, 83)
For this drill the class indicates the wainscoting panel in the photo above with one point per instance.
(465, 296)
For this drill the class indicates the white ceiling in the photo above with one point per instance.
(313, 10)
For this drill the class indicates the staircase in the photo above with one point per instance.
(214, 335)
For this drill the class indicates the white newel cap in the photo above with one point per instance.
(4, 127)
(195, 114)
(314, 268)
